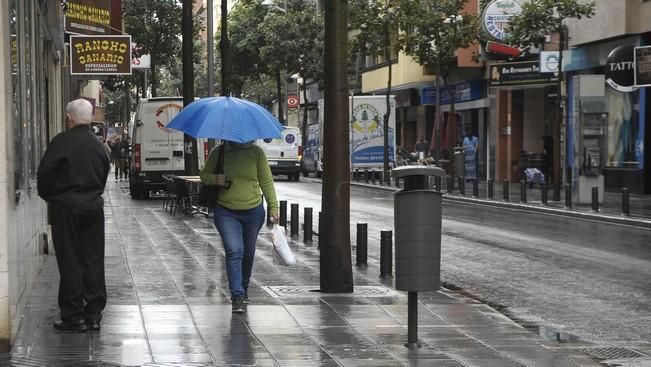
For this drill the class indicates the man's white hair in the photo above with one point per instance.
(80, 111)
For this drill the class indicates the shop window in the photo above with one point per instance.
(623, 143)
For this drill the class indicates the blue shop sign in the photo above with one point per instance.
(463, 92)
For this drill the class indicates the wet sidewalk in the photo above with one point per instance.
(166, 284)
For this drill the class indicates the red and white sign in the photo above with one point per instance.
(139, 62)
(292, 102)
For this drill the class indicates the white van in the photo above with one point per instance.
(157, 150)
(284, 154)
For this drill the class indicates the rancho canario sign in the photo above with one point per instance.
(100, 55)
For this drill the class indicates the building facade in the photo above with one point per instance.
(31, 105)
(608, 124)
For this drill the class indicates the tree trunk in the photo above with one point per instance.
(189, 143)
(387, 115)
(279, 97)
(305, 111)
(225, 48)
(153, 79)
(556, 169)
(334, 240)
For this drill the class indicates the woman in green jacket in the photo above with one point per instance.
(239, 213)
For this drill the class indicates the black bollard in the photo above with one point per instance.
(356, 175)
(386, 253)
(543, 193)
(373, 177)
(505, 190)
(626, 202)
(307, 224)
(282, 220)
(437, 183)
(462, 186)
(294, 220)
(568, 196)
(475, 188)
(387, 178)
(595, 199)
(362, 243)
(450, 181)
(523, 191)
(491, 189)
(366, 176)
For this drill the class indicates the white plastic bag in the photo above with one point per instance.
(281, 247)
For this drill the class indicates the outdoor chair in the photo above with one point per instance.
(170, 194)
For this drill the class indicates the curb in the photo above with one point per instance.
(595, 217)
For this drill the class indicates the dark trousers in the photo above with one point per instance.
(78, 238)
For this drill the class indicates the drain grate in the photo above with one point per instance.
(612, 353)
(313, 291)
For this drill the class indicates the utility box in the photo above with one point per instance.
(459, 158)
(417, 217)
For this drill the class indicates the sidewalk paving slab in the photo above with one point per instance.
(166, 284)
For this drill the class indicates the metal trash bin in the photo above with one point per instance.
(459, 160)
(417, 221)
(417, 216)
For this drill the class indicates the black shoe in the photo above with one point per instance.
(71, 327)
(238, 305)
(245, 300)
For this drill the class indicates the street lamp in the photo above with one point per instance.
(272, 3)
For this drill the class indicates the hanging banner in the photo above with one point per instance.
(100, 55)
(88, 16)
(620, 73)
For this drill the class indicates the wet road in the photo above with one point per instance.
(584, 278)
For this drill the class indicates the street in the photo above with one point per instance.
(583, 279)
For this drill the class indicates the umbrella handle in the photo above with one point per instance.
(228, 184)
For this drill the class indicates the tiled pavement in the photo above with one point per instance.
(167, 285)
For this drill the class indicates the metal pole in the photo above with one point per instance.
(626, 207)
(307, 225)
(450, 188)
(282, 220)
(595, 198)
(362, 243)
(412, 319)
(543, 193)
(386, 253)
(568, 196)
(523, 191)
(462, 186)
(294, 220)
(491, 189)
(475, 188)
(505, 190)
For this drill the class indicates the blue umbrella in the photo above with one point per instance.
(227, 118)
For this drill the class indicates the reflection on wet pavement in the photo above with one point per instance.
(167, 285)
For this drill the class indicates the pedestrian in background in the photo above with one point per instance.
(239, 213)
(115, 157)
(422, 147)
(124, 158)
(71, 178)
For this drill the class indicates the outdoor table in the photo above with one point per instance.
(193, 185)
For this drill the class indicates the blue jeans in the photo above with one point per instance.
(239, 231)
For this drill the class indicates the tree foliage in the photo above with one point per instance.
(438, 29)
(155, 26)
(542, 18)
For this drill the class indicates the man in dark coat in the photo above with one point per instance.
(71, 178)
